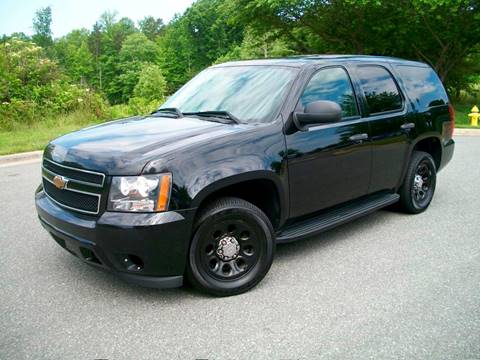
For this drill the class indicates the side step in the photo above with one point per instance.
(335, 217)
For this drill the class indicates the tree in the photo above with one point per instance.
(105, 43)
(152, 28)
(197, 39)
(18, 35)
(259, 45)
(151, 84)
(136, 51)
(42, 27)
(137, 48)
(75, 57)
(95, 47)
(176, 55)
(447, 37)
(443, 33)
(112, 56)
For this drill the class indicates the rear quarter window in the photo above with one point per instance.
(379, 88)
(423, 86)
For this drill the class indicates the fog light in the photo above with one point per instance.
(132, 262)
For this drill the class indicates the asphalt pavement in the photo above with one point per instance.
(387, 286)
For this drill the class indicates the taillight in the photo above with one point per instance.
(451, 111)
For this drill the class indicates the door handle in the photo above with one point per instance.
(407, 126)
(358, 137)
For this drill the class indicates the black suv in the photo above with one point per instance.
(245, 156)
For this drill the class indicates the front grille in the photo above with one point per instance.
(74, 174)
(82, 189)
(74, 200)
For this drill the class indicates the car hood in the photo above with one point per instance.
(124, 147)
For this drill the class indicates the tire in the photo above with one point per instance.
(232, 248)
(416, 194)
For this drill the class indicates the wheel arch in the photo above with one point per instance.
(431, 145)
(261, 188)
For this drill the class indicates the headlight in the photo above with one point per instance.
(146, 193)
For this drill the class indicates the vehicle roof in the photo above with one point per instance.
(304, 60)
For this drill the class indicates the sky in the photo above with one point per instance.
(17, 15)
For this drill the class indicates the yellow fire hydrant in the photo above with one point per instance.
(474, 115)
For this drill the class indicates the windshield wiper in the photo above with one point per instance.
(220, 114)
(171, 111)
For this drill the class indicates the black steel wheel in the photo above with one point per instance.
(232, 248)
(419, 184)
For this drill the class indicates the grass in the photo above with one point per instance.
(35, 137)
(461, 115)
(24, 138)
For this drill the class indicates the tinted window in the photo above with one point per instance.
(331, 84)
(380, 89)
(423, 86)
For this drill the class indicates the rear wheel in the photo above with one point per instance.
(232, 248)
(418, 187)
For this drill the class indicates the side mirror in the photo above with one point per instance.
(318, 112)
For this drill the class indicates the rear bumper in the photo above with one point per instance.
(447, 153)
(145, 249)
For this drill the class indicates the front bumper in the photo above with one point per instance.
(145, 249)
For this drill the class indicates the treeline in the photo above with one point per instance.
(119, 62)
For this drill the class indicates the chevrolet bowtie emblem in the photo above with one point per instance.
(60, 182)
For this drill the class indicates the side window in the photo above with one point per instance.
(423, 86)
(379, 88)
(331, 84)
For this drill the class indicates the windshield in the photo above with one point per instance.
(250, 93)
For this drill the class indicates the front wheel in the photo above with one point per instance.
(418, 187)
(232, 248)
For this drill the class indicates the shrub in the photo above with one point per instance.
(151, 84)
(142, 106)
(32, 88)
(17, 112)
(119, 111)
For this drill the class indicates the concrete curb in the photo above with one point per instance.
(21, 157)
(466, 132)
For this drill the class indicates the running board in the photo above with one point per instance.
(335, 217)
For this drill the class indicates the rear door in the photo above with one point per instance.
(386, 111)
(330, 163)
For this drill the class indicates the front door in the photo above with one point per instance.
(329, 164)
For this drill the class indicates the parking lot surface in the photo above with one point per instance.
(387, 286)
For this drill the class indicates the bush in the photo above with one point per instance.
(17, 112)
(151, 84)
(32, 88)
(118, 111)
(55, 100)
(142, 106)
